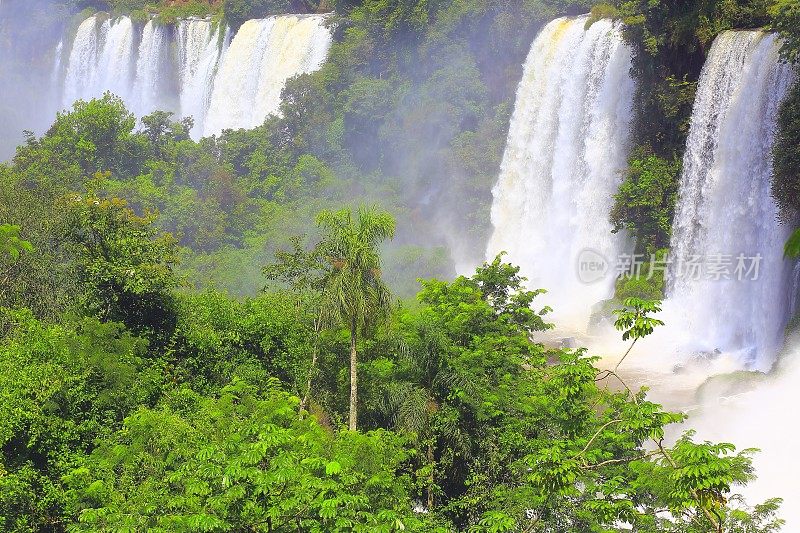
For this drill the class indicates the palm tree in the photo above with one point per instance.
(354, 295)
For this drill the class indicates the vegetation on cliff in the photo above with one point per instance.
(155, 379)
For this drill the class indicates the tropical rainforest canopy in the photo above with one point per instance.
(263, 330)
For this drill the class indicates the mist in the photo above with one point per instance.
(29, 34)
(437, 149)
(761, 416)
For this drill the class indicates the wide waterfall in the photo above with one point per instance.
(738, 299)
(194, 68)
(566, 147)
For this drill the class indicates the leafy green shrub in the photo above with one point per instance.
(11, 244)
(645, 202)
(195, 8)
(127, 6)
(648, 283)
(602, 11)
(63, 388)
(237, 12)
(786, 20)
(792, 248)
(242, 462)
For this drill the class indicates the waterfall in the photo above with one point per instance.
(263, 55)
(566, 147)
(100, 60)
(114, 69)
(57, 61)
(149, 88)
(81, 67)
(198, 55)
(194, 68)
(725, 218)
(105, 57)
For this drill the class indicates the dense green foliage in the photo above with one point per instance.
(645, 203)
(228, 200)
(103, 430)
(786, 151)
(786, 20)
(786, 156)
(131, 400)
(241, 460)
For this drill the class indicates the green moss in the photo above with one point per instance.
(161, 11)
(140, 16)
(239, 11)
(731, 384)
(197, 8)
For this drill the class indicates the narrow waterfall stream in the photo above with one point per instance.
(739, 298)
(199, 50)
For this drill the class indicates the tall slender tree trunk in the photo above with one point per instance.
(353, 378)
(430, 477)
(311, 371)
(307, 395)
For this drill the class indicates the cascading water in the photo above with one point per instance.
(150, 87)
(254, 69)
(198, 55)
(193, 70)
(58, 58)
(726, 219)
(566, 146)
(82, 63)
(101, 60)
(114, 66)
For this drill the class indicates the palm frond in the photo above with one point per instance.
(354, 292)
